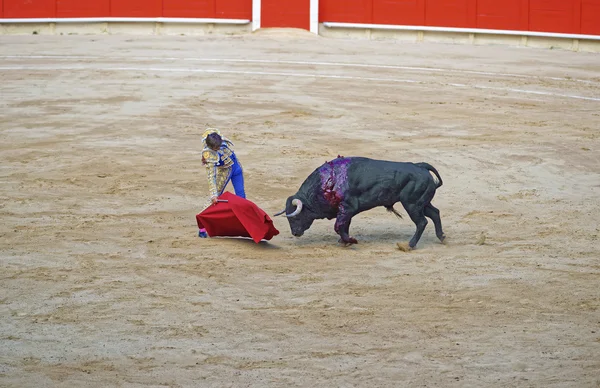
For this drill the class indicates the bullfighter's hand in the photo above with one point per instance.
(214, 200)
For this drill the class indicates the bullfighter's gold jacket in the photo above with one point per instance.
(218, 163)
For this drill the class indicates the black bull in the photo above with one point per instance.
(345, 187)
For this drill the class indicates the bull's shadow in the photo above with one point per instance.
(378, 227)
(363, 237)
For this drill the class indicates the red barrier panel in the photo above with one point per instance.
(233, 9)
(346, 11)
(78, 8)
(189, 8)
(451, 13)
(590, 17)
(553, 16)
(285, 13)
(223, 9)
(498, 15)
(407, 12)
(136, 8)
(226, 9)
(566, 16)
(29, 8)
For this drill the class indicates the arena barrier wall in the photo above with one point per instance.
(565, 24)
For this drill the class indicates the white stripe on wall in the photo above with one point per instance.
(314, 16)
(123, 20)
(459, 30)
(256, 14)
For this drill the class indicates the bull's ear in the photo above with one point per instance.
(280, 213)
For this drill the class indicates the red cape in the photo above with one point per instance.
(237, 217)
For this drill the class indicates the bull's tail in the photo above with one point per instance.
(429, 167)
(392, 210)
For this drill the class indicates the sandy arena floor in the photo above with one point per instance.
(104, 282)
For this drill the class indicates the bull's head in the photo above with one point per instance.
(298, 215)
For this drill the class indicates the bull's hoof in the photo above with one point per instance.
(442, 238)
(404, 247)
(348, 242)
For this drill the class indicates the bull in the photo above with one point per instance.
(345, 187)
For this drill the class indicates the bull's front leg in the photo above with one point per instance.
(342, 226)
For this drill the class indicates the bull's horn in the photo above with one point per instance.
(280, 213)
(298, 203)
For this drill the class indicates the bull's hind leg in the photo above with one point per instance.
(417, 215)
(433, 213)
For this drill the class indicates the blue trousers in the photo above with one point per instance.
(237, 179)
